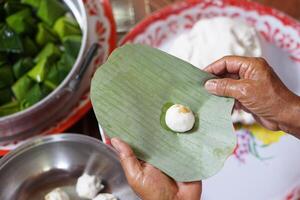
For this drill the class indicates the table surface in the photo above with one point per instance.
(88, 124)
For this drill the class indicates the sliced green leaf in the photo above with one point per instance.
(9, 108)
(45, 35)
(30, 46)
(37, 93)
(11, 7)
(22, 66)
(38, 73)
(5, 96)
(50, 10)
(65, 26)
(21, 21)
(22, 86)
(128, 93)
(10, 42)
(34, 3)
(49, 51)
(6, 77)
(72, 45)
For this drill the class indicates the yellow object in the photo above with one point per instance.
(267, 137)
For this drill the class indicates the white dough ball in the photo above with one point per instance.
(105, 196)
(88, 186)
(180, 118)
(57, 194)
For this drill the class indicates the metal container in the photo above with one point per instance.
(59, 103)
(45, 163)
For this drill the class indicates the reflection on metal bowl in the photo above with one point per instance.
(60, 102)
(45, 163)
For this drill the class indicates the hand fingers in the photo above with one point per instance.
(230, 64)
(224, 87)
(190, 190)
(129, 162)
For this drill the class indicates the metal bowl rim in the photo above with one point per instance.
(40, 141)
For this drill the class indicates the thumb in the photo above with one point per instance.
(224, 87)
(129, 162)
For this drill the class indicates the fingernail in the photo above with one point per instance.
(115, 143)
(210, 85)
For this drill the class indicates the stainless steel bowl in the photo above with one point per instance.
(60, 102)
(45, 163)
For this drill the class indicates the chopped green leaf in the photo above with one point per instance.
(45, 35)
(12, 7)
(5, 96)
(49, 51)
(50, 10)
(65, 26)
(22, 66)
(30, 47)
(37, 93)
(33, 3)
(10, 42)
(39, 72)
(22, 86)
(6, 76)
(72, 45)
(21, 21)
(9, 108)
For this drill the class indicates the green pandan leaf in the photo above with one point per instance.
(11, 7)
(30, 46)
(21, 21)
(49, 51)
(45, 35)
(9, 108)
(38, 73)
(128, 93)
(50, 10)
(5, 96)
(22, 66)
(6, 76)
(22, 86)
(34, 3)
(10, 42)
(37, 93)
(65, 26)
(72, 45)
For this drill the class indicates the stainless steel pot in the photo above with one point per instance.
(45, 163)
(60, 102)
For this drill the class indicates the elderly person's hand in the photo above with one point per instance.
(150, 183)
(258, 90)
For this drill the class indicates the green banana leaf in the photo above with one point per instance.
(128, 93)
(34, 3)
(10, 42)
(37, 93)
(30, 46)
(39, 72)
(21, 21)
(65, 26)
(5, 96)
(22, 66)
(72, 45)
(22, 86)
(9, 108)
(50, 10)
(49, 51)
(45, 35)
(6, 76)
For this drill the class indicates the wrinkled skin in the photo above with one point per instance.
(256, 88)
(148, 182)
